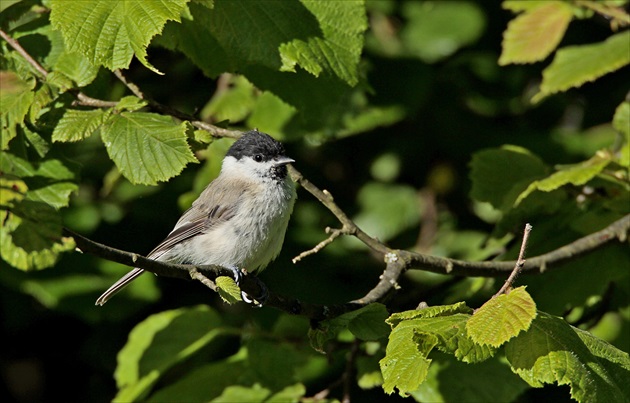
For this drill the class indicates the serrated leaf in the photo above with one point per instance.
(146, 147)
(16, 97)
(552, 351)
(78, 125)
(532, 36)
(50, 181)
(575, 65)
(576, 175)
(160, 342)
(72, 66)
(342, 24)
(109, 32)
(228, 290)
(429, 312)
(406, 365)
(502, 318)
(499, 175)
(130, 103)
(30, 236)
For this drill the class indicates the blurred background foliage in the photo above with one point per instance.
(397, 151)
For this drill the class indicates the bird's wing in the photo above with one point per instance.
(207, 212)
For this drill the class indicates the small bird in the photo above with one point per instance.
(239, 220)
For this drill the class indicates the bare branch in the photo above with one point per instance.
(520, 262)
(18, 48)
(334, 234)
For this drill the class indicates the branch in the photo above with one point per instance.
(618, 230)
(249, 284)
(18, 48)
(520, 262)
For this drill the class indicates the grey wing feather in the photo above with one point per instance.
(196, 220)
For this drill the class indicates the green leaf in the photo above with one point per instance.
(502, 318)
(228, 289)
(158, 343)
(416, 333)
(343, 25)
(233, 104)
(108, 32)
(30, 236)
(72, 65)
(450, 380)
(405, 365)
(292, 393)
(429, 312)
(438, 29)
(574, 65)
(499, 175)
(49, 181)
(238, 393)
(367, 323)
(16, 97)
(576, 175)
(387, 209)
(12, 190)
(554, 352)
(621, 120)
(521, 5)
(146, 147)
(77, 125)
(194, 386)
(532, 36)
(130, 103)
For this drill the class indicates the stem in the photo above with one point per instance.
(520, 262)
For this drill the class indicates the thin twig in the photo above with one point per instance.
(18, 48)
(520, 262)
(334, 234)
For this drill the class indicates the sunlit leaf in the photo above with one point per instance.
(50, 181)
(108, 32)
(575, 65)
(228, 289)
(30, 236)
(576, 175)
(146, 147)
(77, 125)
(532, 36)
(502, 318)
(554, 352)
(16, 97)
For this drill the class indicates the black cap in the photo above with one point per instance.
(256, 144)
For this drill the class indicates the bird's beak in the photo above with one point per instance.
(281, 161)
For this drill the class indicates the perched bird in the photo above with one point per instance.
(239, 220)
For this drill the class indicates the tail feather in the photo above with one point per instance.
(119, 285)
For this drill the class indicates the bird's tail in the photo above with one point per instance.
(119, 285)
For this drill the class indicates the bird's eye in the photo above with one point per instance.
(258, 157)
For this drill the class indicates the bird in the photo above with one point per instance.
(240, 219)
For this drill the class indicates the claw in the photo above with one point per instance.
(260, 300)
